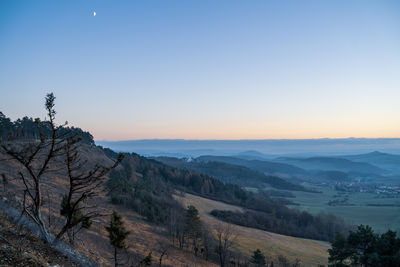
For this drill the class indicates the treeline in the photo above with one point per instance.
(29, 128)
(147, 186)
(287, 222)
(365, 248)
(231, 173)
(147, 194)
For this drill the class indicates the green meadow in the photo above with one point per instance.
(356, 210)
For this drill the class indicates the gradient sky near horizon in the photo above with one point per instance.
(205, 69)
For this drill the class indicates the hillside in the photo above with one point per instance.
(42, 175)
(151, 194)
(94, 241)
(231, 172)
(263, 166)
(19, 247)
(310, 252)
(332, 164)
(382, 160)
(145, 236)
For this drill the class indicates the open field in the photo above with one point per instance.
(358, 209)
(310, 252)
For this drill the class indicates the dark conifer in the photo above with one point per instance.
(258, 258)
(117, 234)
(193, 226)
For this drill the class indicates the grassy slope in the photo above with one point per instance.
(310, 252)
(18, 247)
(94, 242)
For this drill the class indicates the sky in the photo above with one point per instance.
(205, 69)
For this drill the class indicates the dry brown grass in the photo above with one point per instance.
(94, 242)
(146, 237)
(310, 252)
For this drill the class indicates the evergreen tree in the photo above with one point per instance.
(365, 248)
(388, 247)
(117, 234)
(340, 251)
(258, 258)
(78, 219)
(193, 226)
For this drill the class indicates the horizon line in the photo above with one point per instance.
(244, 139)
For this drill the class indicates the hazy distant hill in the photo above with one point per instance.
(253, 155)
(231, 173)
(383, 160)
(279, 147)
(332, 164)
(263, 166)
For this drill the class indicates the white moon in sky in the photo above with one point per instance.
(94, 14)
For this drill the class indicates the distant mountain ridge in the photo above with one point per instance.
(332, 164)
(263, 166)
(382, 160)
(267, 147)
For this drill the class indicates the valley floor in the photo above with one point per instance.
(380, 211)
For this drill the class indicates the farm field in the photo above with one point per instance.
(310, 252)
(383, 214)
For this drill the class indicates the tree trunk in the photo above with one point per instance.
(115, 257)
(42, 227)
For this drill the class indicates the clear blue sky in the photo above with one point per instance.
(205, 69)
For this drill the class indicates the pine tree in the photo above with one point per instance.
(77, 218)
(117, 234)
(193, 226)
(258, 258)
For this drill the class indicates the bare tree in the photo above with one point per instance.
(56, 150)
(225, 239)
(163, 250)
(283, 261)
(85, 183)
(176, 227)
(34, 158)
(208, 241)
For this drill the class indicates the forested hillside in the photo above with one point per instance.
(231, 173)
(146, 186)
(263, 166)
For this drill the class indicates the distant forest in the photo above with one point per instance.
(231, 173)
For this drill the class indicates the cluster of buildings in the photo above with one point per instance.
(365, 188)
(384, 189)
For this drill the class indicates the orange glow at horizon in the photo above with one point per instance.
(247, 131)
